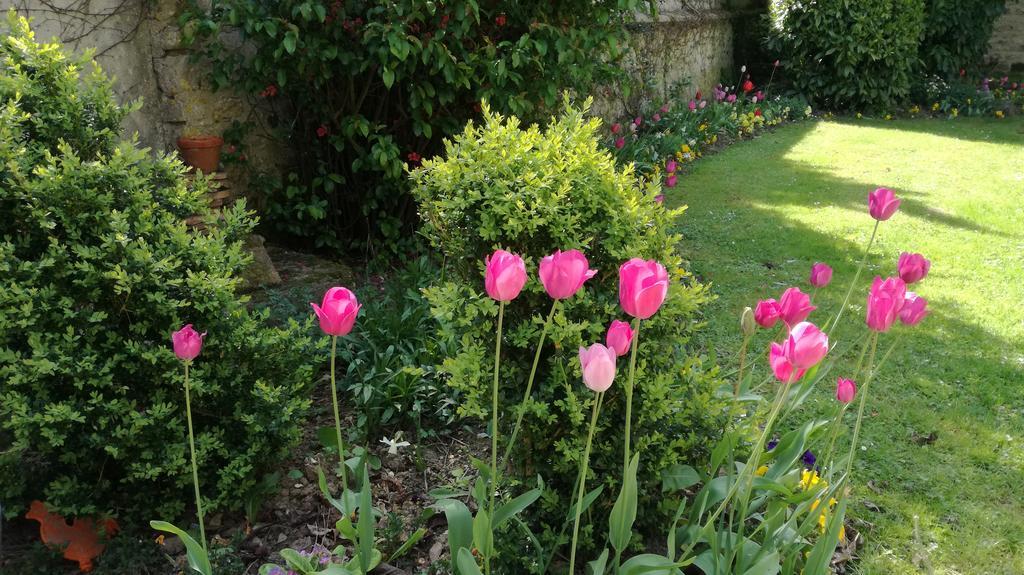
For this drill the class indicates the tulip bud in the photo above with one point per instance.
(747, 324)
(846, 389)
(504, 275)
(643, 286)
(620, 336)
(337, 312)
(598, 364)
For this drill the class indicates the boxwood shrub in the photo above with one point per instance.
(97, 268)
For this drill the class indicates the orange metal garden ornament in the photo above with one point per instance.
(81, 540)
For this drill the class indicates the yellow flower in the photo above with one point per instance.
(888, 116)
(935, 107)
(809, 478)
(955, 112)
(761, 471)
(160, 540)
(859, 116)
(999, 113)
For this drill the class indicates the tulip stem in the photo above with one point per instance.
(494, 439)
(580, 493)
(743, 359)
(856, 276)
(192, 449)
(839, 418)
(863, 399)
(529, 386)
(337, 415)
(629, 395)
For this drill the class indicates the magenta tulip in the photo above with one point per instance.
(821, 275)
(643, 286)
(806, 345)
(187, 343)
(620, 336)
(766, 313)
(795, 306)
(338, 311)
(598, 363)
(912, 267)
(563, 273)
(616, 128)
(659, 199)
(846, 389)
(783, 369)
(670, 182)
(915, 308)
(504, 275)
(692, 105)
(882, 204)
(670, 166)
(619, 143)
(885, 301)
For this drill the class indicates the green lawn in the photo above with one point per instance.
(761, 212)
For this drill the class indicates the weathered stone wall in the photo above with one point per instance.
(1006, 47)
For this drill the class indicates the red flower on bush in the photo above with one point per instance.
(444, 20)
(414, 159)
(322, 131)
(269, 92)
(698, 96)
(500, 20)
(748, 86)
(757, 112)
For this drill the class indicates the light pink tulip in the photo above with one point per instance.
(563, 273)
(766, 313)
(620, 336)
(882, 204)
(338, 311)
(846, 389)
(656, 117)
(885, 301)
(795, 306)
(913, 267)
(783, 369)
(664, 109)
(187, 343)
(643, 286)
(806, 345)
(598, 363)
(504, 275)
(821, 275)
(915, 308)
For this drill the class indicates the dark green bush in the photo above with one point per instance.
(97, 268)
(533, 191)
(845, 54)
(359, 90)
(956, 34)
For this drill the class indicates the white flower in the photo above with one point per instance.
(394, 444)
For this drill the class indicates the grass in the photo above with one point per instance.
(761, 212)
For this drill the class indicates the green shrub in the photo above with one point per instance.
(956, 34)
(848, 54)
(97, 269)
(532, 191)
(360, 89)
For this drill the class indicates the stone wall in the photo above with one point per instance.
(1006, 48)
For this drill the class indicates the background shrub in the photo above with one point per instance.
(532, 191)
(97, 269)
(956, 34)
(848, 54)
(359, 90)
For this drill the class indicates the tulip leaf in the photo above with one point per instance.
(679, 477)
(597, 566)
(514, 507)
(196, 555)
(650, 564)
(460, 524)
(821, 553)
(346, 505)
(790, 447)
(466, 563)
(588, 500)
(483, 537)
(364, 526)
(767, 565)
(620, 522)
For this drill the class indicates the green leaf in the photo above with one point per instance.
(460, 524)
(388, 75)
(197, 558)
(679, 477)
(767, 565)
(346, 505)
(405, 547)
(483, 536)
(821, 553)
(620, 522)
(597, 566)
(588, 500)
(466, 563)
(290, 38)
(651, 564)
(514, 507)
(365, 524)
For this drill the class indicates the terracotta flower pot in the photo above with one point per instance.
(201, 152)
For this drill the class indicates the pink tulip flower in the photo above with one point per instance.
(671, 181)
(664, 109)
(702, 104)
(563, 273)
(912, 267)
(637, 121)
(619, 143)
(885, 301)
(692, 105)
(915, 308)
(504, 275)
(730, 98)
(656, 117)
(187, 343)
(882, 204)
(795, 306)
(821, 275)
(338, 311)
(783, 369)
(643, 286)
(620, 336)
(806, 345)
(659, 199)
(598, 363)
(616, 128)
(846, 389)
(670, 166)
(766, 313)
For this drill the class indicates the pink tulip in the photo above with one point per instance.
(504, 275)
(806, 345)
(702, 104)
(821, 275)
(783, 369)
(563, 273)
(912, 267)
(637, 121)
(795, 306)
(619, 143)
(598, 363)
(766, 313)
(616, 128)
(885, 301)
(670, 182)
(915, 308)
(730, 98)
(846, 389)
(656, 117)
(659, 199)
(620, 335)
(670, 166)
(187, 343)
(338, 311)
(643, 286)
(664, 109)
(692, 105)
(882, 204)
